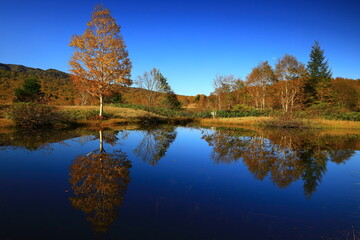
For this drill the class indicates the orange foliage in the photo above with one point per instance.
(100, 58)
(99, 182)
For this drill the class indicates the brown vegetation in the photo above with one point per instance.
(100, 58)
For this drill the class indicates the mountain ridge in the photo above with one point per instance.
(57, 85)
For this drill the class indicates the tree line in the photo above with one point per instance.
(289, 85)
(100, 65)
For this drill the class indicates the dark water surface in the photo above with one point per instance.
(180, 183)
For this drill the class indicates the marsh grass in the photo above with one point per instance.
(325, 123)
(6, 123)
(283, 123)
(87, 116)
(114, 112)
(234, 121)
(115, 115)
(286, 120)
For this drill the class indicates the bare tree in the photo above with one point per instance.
(153, 83)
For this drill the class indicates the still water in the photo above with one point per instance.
(180, 183)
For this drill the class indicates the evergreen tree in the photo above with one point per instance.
(318, 87)
(170, 100)
(30, 91)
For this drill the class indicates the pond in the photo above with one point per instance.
(180, 183)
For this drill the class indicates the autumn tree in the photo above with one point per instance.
(227, 146)
(318, 86)
(99, 181)
(100, 59)
(225, 90)
(290, 75)
(347, 92)
(258, 81)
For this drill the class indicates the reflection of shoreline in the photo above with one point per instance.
(331, 131)
(38, 139)
(282, 154)
(99, 181)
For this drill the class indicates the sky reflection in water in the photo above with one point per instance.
(179, 183)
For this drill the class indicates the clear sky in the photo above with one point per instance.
(190, 41)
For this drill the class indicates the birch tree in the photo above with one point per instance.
(100, 57)
(290, 75)
(225, 90)
(154, 83)
(258, 81)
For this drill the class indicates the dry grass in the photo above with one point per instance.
(6, 123)
(324, 123)
(119, 117)
(115, 111)
(235, 121)
(108, 122)
(257, 121)
(124, 116)
(112, 127)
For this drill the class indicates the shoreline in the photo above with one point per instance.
(268, 122)
(86, 116)
(262, 122)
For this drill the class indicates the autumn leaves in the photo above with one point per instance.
(100, 59)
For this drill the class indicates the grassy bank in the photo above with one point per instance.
(274, 122)
(6, 123)
(87, 116)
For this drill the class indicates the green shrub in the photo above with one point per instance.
(349, 116)
(286, 120)
(248, 112)
(31, 115)
(76, 114)
(171, 101)
(166, 112)
(81, 114)
(332, 112)
(30, 91)
(241, 108)
(114, 98)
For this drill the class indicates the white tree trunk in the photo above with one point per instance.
(101, 106)
(101, 148)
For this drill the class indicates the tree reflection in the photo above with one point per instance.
(155, 144)
(283, 155)
(99, 181)
(226, 147)
(33, 140)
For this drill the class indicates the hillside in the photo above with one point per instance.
(59, 89)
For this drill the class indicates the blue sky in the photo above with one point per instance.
(190, 41)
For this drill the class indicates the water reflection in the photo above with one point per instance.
(283, 155)
(99, 181)
(207, 200)
(34, 140)
(155, 143)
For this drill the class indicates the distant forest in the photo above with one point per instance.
(261, 89)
